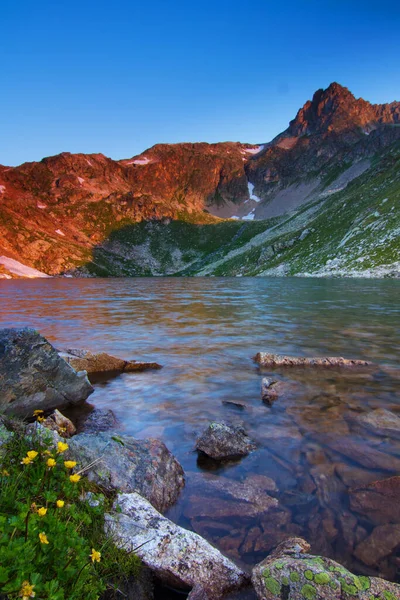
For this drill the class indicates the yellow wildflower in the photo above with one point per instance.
(32, 454)
(5, 473)
(41, 419)
(95, 556)
(51, 462)
(74, 478)
(37, 412)
(42, 511)
(60, 503)
(69, 464)
(61, 447)
(26, 591)
(43, 538)
(26, 461)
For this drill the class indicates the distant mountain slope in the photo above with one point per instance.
(298, 202)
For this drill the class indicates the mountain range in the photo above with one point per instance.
(322, 198)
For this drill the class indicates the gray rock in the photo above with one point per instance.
(100, 362)
(178, 557)
(33, 376)
(99, 420)
(290, 572)
(221, 441)
(125, 464)
(265, 359)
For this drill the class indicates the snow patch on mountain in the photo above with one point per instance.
(251, 192)
(20, 269)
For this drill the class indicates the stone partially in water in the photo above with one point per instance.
(177, 556)
(265, 359)
(125, 464)
(220, 441)
(378, 501)
(291, 573)
(33, 376)
(269, 390)
(272, 389)
(100, 362)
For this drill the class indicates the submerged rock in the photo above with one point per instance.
(264, 359)
(220, 441)
(381, 422)
(382, 541)
(218, 497)
(99, 420)
(125, 464)
(178, 557)
(359, 451)
(378, 501)
(290, 572)
(83, 360)
(33, 376)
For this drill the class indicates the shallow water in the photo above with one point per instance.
(205, 333)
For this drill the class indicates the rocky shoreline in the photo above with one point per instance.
(148, 480)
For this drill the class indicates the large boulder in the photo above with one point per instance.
(222, 441)
(128, 465)
(265, 359)
(177, 556)
(33, 376)
(100, 362)
(290, 572)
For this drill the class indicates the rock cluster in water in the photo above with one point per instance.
(148, 480)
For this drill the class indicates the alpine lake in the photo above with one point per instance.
(314, 445)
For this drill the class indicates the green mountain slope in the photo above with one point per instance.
(349, 232)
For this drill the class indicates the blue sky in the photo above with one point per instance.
(117, 77)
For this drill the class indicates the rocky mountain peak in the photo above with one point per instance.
(336, 109)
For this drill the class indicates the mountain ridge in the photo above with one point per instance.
(55, 213)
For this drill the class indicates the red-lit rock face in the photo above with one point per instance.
(56, 210)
